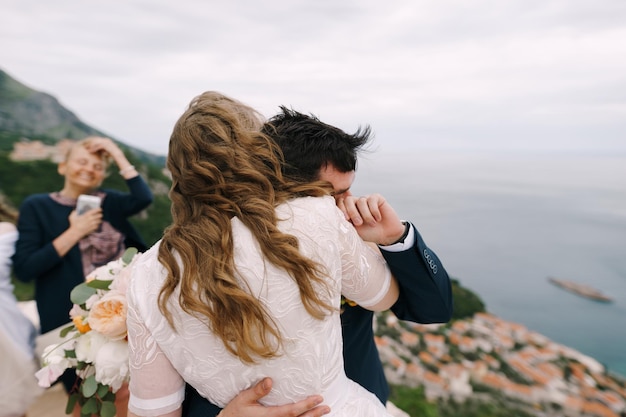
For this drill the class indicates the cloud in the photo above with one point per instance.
(467, 75)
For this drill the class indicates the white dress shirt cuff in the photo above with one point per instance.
(408, 243)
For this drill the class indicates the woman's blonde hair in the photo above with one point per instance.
(7, 213)
(223, 167)
(102, 154)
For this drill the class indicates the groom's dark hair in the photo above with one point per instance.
(308, 144)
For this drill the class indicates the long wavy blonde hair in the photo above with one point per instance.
(223, 167)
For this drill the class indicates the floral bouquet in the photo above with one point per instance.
(95, 344)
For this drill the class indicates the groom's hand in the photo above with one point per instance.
(373, 217)
(246, 404)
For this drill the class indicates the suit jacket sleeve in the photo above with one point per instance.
(123, 205)
(196, 406)
(425, 288)
(38, 226)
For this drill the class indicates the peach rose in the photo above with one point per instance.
(108, 316)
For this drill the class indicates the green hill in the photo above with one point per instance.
(37, 115)
(33, 115)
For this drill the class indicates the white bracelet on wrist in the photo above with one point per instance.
(127, 169)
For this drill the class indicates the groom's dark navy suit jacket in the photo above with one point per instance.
(425, 297)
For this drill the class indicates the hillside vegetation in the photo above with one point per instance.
(33, 113)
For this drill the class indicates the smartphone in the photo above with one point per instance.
(87, 202)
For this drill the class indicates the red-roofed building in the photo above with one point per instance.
(598, 410)
(409, 339)
(611, 400)
(37, 150)
(426, 357)
(457, 378)
(434, 386)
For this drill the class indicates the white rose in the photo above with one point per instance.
(100, 273)
(55, 363)
(112, 366)
(88, 345)
(113, 269)
(106, 272)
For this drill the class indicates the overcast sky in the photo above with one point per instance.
(425, 74)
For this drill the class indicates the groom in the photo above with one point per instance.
(314, 151)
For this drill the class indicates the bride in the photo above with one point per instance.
(246, 283)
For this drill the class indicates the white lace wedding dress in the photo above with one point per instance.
(162, 360)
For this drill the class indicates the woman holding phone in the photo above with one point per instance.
(57, 247)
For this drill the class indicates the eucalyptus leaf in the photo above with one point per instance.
(108, 409)
(99, 284)
(90, 407)
(71, 403)
(89, 386)
(70, 353)
(102, 390)
(66, 330)
(81, 293)
(128, 255)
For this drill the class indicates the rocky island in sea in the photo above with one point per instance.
(580, 289)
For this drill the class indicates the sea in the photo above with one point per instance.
(502, 223)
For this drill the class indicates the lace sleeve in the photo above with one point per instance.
(156, 388)
(365, 275)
